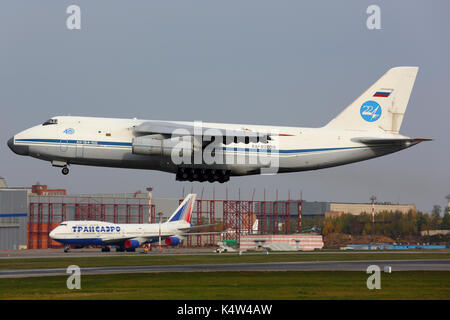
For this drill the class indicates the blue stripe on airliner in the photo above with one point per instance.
(83, 142)
(94, 241)
(129, 144)
(80, 241)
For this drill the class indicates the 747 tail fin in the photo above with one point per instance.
(184, 211)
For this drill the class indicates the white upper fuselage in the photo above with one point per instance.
(108, 142)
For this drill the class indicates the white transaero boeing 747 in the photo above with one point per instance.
(196, 151)
(127, 237)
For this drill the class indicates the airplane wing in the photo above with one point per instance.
(198, 227)
(198, 233)
(122, 241)
(116, 240)
(168, 128)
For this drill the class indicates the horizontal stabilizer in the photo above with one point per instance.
(401, 141)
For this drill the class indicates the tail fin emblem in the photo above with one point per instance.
(370, 111)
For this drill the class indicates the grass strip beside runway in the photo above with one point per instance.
(155, 259)
(234, 285)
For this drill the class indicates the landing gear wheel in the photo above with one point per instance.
(65, 171)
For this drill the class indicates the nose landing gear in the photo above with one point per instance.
(61, 164)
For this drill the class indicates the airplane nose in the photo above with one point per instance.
(21, 150)
(52, 234)
(11, 143)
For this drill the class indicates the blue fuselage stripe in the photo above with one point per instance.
(129, 144)
(80, 241)
(83, 142)
(94, 241)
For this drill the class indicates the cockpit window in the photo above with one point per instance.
(63, 224)
(50, 121)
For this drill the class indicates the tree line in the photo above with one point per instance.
(390, 224)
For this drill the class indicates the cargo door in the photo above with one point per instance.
(79, 153)
(63, 145)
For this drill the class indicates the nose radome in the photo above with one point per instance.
(11, 143)
(18, 149)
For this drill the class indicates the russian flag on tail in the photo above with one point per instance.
(384, 93)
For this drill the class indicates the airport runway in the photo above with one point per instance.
(75, 253)
(396, 265)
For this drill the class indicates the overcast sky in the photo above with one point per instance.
(293, 63)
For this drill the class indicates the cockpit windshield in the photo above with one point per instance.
(50, 121)
(62, 224)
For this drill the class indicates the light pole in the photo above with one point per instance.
(160, 215)
(149, 190)
(373, 198)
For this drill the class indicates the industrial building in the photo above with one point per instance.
(13, 217)
(282, 242)
(269, 213)
(358, 208)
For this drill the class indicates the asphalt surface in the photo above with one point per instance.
(59, 253)
(396, 265)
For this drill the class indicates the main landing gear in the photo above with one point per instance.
(65, 171)
(201, 175)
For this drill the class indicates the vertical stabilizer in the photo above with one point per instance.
(382, 107)
(184, 210)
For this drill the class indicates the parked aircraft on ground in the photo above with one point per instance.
(126, 237)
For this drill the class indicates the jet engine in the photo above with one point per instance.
(158, 145)
(172, 241)
(132, 244)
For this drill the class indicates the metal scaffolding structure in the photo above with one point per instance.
(239, 216)
(274, 217)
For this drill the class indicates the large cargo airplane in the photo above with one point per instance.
(126, 237)
(368, 128)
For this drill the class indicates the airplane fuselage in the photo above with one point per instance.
(367, 128)
(109, 142)
(105, 233)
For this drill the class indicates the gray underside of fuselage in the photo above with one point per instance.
(239, 165)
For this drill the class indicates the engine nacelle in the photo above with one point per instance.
(172, 241)
(155, 144)
(132, 244)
